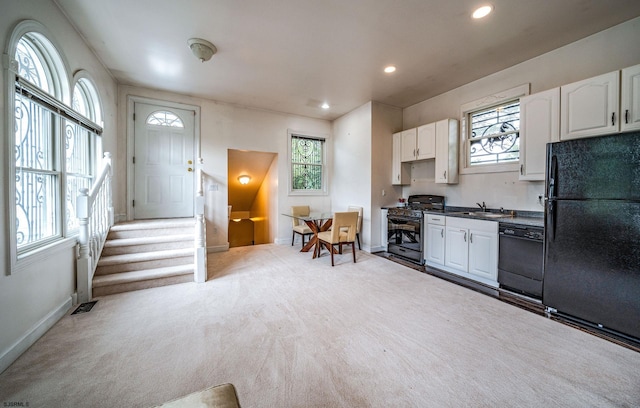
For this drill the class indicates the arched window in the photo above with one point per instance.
(53, 145)
(82, 146)
(86, 101)
(164, 118)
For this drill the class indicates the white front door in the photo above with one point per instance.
(163, 162)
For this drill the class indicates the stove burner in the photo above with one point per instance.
(417, 204)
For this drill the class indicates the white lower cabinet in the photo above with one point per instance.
(483, 253)
(470, 248)
(383, 229)
(456, 254)
(434, 244)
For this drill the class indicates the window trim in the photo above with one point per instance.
(59, 101)
(479, 104)
(310, 135)
(85, 83)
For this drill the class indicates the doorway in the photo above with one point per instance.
(164, 152)
(254, 203)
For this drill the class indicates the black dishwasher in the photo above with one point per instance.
(520, 261)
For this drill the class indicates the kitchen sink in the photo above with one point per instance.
(485, 214)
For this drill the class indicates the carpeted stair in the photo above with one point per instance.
(145, 254)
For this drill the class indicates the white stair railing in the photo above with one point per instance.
(200, 253)
(95, 215)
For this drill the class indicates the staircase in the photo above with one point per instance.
(146, 254)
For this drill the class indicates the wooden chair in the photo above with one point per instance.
(299, 226)
(360, 211)
(343, 232)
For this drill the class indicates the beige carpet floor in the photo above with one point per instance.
(289, 331)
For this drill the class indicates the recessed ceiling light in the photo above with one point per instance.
(389, 69)
(482, 11)
(325, 106)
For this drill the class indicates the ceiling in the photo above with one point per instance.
(293, 55)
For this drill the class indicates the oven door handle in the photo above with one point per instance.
(401, 218)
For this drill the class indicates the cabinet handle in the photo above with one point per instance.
(626, 116)
(445, 174)
(418, 152)
(441, 233)
(521, 166)
(414, 152)
(471, 238)
(465, 237)
(613, 119)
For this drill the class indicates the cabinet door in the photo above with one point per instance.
(409, 145)
(630, 110)
(426, 142)
(399, 171)
(446, 166)
(483, 254)
(539, 125)
(590, 107)
(456, 248)
(435, 244)
(383, 229)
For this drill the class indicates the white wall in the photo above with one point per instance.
(351, 174)
(386, 120)
(225, 126)
(362, 165)
(34, 297)
(607, 51)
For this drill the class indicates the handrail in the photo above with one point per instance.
(95, 215)
(200, 253)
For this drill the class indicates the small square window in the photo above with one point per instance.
(307, 159)
(495, 135)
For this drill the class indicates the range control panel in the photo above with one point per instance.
(533, 233)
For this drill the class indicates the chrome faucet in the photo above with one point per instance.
(483, 206)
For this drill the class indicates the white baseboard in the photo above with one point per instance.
(218, 248)
(38, 330)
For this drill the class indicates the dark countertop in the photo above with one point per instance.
(526, 218)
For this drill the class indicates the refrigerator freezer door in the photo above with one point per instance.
(592, 263)
(606, 167)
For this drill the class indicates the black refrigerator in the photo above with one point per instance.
(592, 232)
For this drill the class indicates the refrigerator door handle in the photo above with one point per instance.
(551, 201)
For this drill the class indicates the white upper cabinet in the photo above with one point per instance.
(446, 166)
(630, 107)
(419, 143)
(590, 107)
(409, 144)
(400, 172)
(426, 142)
(539, 125)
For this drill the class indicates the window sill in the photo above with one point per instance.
(490, 168)
(42, 254)
(307, 193)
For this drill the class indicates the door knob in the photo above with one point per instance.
(189, 162)
(189, 169)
